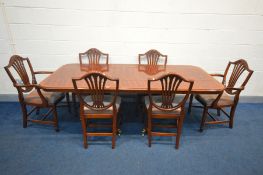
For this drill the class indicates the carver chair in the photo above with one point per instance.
(96, 104)
(234, 79)
(168, 107)
(19, 70)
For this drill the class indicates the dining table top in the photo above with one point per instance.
(133, 78)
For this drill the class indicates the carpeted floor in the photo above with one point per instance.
(218, 150)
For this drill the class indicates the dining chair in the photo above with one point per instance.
(152, 57)
(93, 56)
(93, 59)
(168, 107)
(30, 93)
(151, 62)
(96, 104)
(234, 79)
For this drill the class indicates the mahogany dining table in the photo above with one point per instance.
(132, 77)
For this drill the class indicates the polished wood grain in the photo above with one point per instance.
(133, 78)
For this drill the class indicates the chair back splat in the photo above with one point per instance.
(152, 57)
(94, 57)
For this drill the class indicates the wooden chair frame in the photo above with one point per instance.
(94, 56)
(240, 66)
(151, 68)
(170, 84)
(96, 90)
(17, 62)
(152, 57)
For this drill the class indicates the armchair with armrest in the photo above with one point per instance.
(37, 97)
(236, 73)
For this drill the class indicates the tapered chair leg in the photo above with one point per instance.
(74, 99)
(179, 131)
(24, 111)
(218, 112)
(149, 130)
(232, 114)
(68, 102)
(203, 118)
(84, 131)
(114, 129)
(190, 103)
(37, 111)
(55, 114)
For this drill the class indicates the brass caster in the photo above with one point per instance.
(119, 132)
(143, 132)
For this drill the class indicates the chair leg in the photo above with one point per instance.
(203, 118)
(114, 129)
(75, 104)
(145, 130)
(190, 103)
(179, 131)
(232, 114)
(74, 99)
(149, 130)
(119, 119)
(218, 112)
(24, 111)
(84, 132)
(37, 111)
(55, 114)
(68, 102)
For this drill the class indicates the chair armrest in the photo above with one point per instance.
(43, 72)
(235, 88)
(25, 86)
(217, 75)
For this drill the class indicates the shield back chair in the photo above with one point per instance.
(93, 56)
(234, 79)
(96, 104)
(21, 73)
(168, 106)
(92, 59)
(151, 62)
(153, 58)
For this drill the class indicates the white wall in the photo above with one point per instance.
(206, 33)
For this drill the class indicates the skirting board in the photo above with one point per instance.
(243, 99)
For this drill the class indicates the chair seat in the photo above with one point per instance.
(160, 112)
(51, 97)
(106, 102)
(208, 99)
